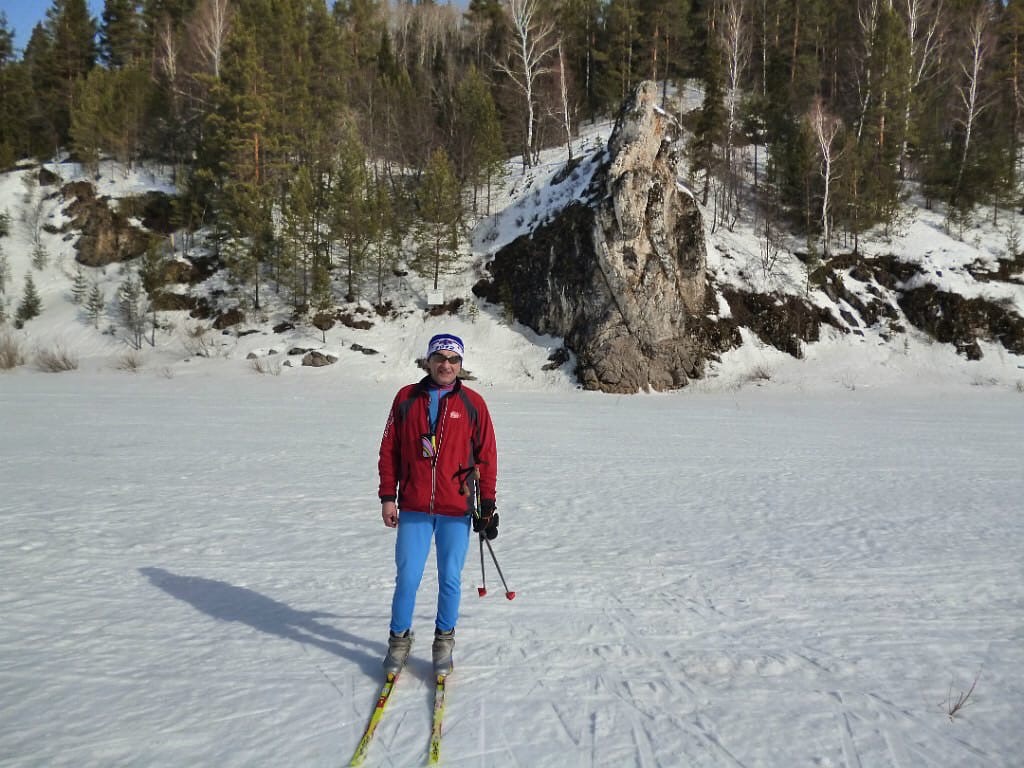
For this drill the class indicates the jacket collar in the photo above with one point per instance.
(424, 385)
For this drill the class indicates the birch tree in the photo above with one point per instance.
(867, 19)
(209, 28)
(825, 128)
(566, 111)
(167, 54)
(735, 47)
(534, 40)
(922, 19)
(979, 44)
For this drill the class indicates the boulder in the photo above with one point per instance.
(318, 359)
(231, 317)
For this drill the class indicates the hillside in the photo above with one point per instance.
(867, 339)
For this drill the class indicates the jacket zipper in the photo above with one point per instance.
(442, 412)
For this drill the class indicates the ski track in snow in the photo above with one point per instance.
(194, 573)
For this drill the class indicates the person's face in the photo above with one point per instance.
(444, 367)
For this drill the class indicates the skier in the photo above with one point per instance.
(438, 444)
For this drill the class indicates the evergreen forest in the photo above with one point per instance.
(312, 142)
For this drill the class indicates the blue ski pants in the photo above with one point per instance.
(451, 539)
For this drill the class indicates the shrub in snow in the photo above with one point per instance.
(56, 360)
(11, 355)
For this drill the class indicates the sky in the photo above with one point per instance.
(23, 15)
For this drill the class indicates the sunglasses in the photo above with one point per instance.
(437, 357)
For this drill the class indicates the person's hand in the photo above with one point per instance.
(389, 513)
(486, 523)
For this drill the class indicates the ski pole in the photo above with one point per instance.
(483, 574)
(482, 590)
(508, 592)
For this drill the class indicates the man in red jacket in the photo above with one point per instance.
(438, 445)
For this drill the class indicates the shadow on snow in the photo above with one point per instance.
(226, 602)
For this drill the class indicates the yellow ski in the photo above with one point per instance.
(378, 712)
(435, 731)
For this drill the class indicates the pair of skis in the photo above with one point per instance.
(434, 750)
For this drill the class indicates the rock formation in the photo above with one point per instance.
(620, 274)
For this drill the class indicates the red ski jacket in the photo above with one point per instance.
(463, 439)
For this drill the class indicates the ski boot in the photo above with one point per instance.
(442, 652)
(398, 651)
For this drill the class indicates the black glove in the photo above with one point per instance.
(486, 522)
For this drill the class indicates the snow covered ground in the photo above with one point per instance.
(789, 563)
(193, 572)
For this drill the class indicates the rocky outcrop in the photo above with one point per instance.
(620, 273)
(781, 321)
(945, 316)
(962, 322)
(108, 237)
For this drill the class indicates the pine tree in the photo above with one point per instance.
(31, 305)
(95, 304)
(73, 33)
(623, 64)
(79, 285)
(132, 309)
(233, 161)
(5, 275)
(122, 33)
(110, 114)
(321, 297)
(664, 32)
(487, 32)
(710, 124)
(477, 146)
(15, 97)
(40, 256)
(6, 41)
(879, 121)
(298, 240)
(175, 12)
(5, 271)
(361, 23)
(43, 104)
(349, 215)
(88, 120)
(153, 274)
(384, 232)
(440, 209)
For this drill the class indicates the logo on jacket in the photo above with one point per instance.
(456, 414)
